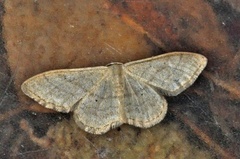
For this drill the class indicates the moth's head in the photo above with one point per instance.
(114, 63)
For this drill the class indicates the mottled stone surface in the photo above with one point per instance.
(65, 140)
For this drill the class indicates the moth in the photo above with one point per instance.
(106, 97)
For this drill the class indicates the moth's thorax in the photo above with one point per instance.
(117, 74)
